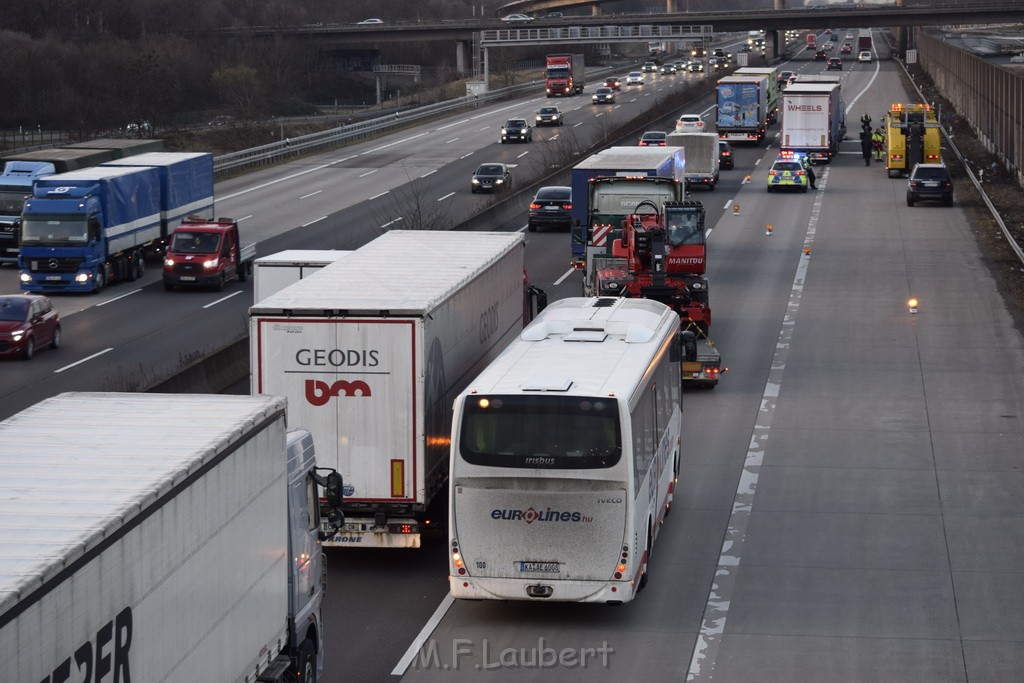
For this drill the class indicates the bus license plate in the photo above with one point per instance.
(544, 567)
(188, 278)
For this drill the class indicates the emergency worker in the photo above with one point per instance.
(806, 163)
(866, 145)
(865, 121)
(877, 143)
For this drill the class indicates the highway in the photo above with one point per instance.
(848, 505)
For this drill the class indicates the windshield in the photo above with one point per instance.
(549, 432)
(489, 170)
(195, 243)
(13, 310)
(558, 72)
(684, 227)
(12, 201)
(54, 232)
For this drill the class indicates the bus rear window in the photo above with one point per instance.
(540, 432)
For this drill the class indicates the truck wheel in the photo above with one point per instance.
(243, 272)
(711, 187)
(307, 662)
(99, 281)
(140, 265)
(130, 274)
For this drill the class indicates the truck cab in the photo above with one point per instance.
(207, 253)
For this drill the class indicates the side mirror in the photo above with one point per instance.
(334, 489)
(577, 232)
(688, 341)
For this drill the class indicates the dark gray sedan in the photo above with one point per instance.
(491, 177)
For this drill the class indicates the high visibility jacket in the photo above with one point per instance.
(876, 140)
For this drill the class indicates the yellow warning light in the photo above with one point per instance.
(768, 229)
(807, 251)
(735, 209)
(912, 305)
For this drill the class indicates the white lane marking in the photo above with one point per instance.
(378, 196)
(522, 155)
(565, 276)
(871, 80)
(306, 225)
(466, 155)
(223, 299)
(87, 358)
(757, 162)
(451, 141)
(340, 160)
(555, 136)
(727, 204)
(716, 609)
(402, 141)
(116, 298)
(596, 115)
(577, 125)
(245, 218)
(391, 222)
(307, 196)
(429, 173)
(449, 125)
(522, 228)
(275, 182)
(450, 194)
(485, 128)
(363, 175)
(424, 633)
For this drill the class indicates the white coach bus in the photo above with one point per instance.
(565, 452)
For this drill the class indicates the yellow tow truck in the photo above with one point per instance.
(912, 136)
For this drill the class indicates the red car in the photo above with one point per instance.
(27, 322)
(613, 83)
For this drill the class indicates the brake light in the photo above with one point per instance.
(773, 172)
(567, 207)
(534, 206)
(933, 157)
(800, 173)
(726, 154)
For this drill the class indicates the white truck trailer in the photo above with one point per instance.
(371, 352)
(276, 271)
(702, 160)
(151, 537)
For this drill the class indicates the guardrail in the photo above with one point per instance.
(274, 151)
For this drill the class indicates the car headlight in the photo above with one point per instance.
(83, 277)
(16, 336)
(537, 119)
(499, 181)
(504, 132)
(168, 263)
(25, 277)
(476, 181)
(212, 263)
(523, 131)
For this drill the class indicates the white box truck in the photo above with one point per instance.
(372, 351)
(276, 271)
(151, 537)
(813, 120)
(702, 160)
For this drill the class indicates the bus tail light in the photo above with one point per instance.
(457, 561)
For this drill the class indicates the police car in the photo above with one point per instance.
(788, 171)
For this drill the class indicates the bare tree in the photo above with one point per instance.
(413, 206)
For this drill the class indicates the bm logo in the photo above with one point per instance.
(318, 393)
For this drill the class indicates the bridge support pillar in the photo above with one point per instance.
(595, 10)
(901, 35)
(670, 6)
(461, 48)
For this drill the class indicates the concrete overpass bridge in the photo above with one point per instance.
(470, 36)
